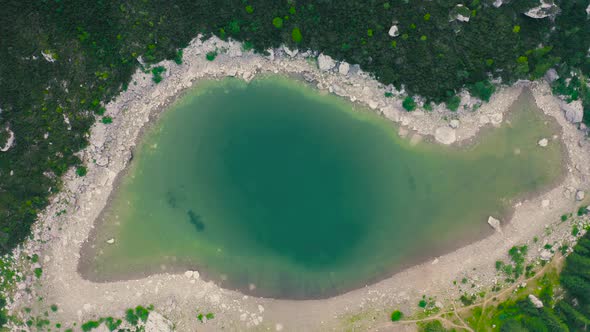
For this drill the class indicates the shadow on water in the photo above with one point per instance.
(195, 219)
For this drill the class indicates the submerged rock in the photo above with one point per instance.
(495, 224)
(543, 142)
(445, 135)
(535, 301)
(325, 62)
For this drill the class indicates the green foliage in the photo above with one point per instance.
(483, 90)
(142, 313)
(409, 104)
(90, 325)
(422, 303)
(296, 35)
(107, 120)
(277, 22)
(396, 315)
(210, 56)
(38, 272)
(178, 57)
(157, 74)
(54, 307)
(564, 217)
(81, 170)
(131, 317)
(453, 103)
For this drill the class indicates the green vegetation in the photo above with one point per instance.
(409, 104)
(81, 170)
(396, 315)
(157, 74)
(210, 56)
(277, 22)
(205, 317)
(107, 120)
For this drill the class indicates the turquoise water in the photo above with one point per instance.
(278, 191)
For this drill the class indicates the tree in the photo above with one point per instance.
(409, 104)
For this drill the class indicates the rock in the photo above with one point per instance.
(543, 142)
(498, 3)
(98, 135)
(546, 9)
(343, 68)
(48, 56)
(188, 274)
(157, 323)
(551, 75)
(111, 241)
(460, 13)
(495, 223)
(102, 161)
(535, 301)
(279, 327)
(546, 255)
(260, 308)
(290, 52)
(9, 141)
(545, 203)
(496, 119)
(325, 62)
(338, 90)
(574, 111)
(445, 135)
(580, 194)
(393, 31)
(454, 123)
(196, 275)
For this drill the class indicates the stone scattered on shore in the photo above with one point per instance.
(495, 223)
(454, 123)
(111, 241)
(543, 142)
(325, 62)
(290, 52)
(535, 301)
(192, 274)
(574, 111)
(580, 194)
(445, 135)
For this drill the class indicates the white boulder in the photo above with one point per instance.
(111, 241)
(535, 301)
(574, 111)
(290, 52)
(343, 68)
(454, 123)
(497, 3)
(325, 62)
(445, 135)
(9, 141)
(580, 194)
(543, 142)
(546, 9)
(393, 31)
(495, 224)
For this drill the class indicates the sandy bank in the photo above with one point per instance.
(178, 295)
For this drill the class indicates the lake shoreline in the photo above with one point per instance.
(111, 147)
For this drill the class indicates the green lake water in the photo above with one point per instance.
(278, 191)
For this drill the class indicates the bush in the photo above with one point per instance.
(277, 22)
(210, 56)
(81, 170)
(157, 74)
(409, 104)
(453, 103)
(296, 35)
(396, 315)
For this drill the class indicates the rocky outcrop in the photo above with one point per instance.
(495, 224)
(460, 13)
(325, 62)
(445, 135)
(574, 111)
(546, 9)
(9, 141)
(535, 301)
(343, 68)
(157, 323)
(290, 52)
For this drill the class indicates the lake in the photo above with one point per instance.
(275, 190)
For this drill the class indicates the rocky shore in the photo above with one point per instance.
(67, 222)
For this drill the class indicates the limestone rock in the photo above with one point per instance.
(343, 68)
(543, 142)
(580, 194)
(574, 111)
(157, 323)
(535, 301)
(290, 52)
(551, 75)
(498, 3)
(454, 123)
(111, 241)
(393, 31)
(546, 9)
(9, 141)
(325, 62)
(495, 224)
(445, 135)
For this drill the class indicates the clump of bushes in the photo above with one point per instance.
(409, 104)
(157, 74)
(396, 315)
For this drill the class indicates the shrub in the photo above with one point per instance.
(107, 120)
(210, 56)
(277, 22)
(81, 170)
(396, 315)
(90, 325)
(453, 103)
(178, 57)
(157, 74)
(409, 104)
(296, 35)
